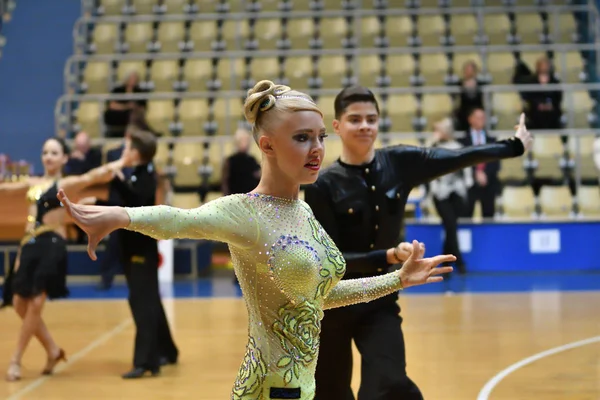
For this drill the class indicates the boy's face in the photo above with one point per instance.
(131, 155)
(358, 127)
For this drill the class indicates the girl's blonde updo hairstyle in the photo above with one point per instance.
(266, 102)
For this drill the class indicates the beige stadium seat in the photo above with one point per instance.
(529, 27)
(506, 107)
(163, 74)
(547, 151)
(298, 70)
(325, 104)
(97, 77)
(400, 68)
(398, 30)
(230, 72)
(105, 37)
(144, 7)
(496, 27)
(196, 72)
(186, 200)
(430, 29)
(369, 30)
(89, 117)
(588, 198)
(170, 35)
(333, 150)
(581, 149)
(235, 33)
(187, 157)
(112, 7)
(175, 6)
(369, 69)
(161, 158)
(460, 59)
(518, 201)
(137, 36)
(126, 67)
(562, 26)
(332, 31)
(573, 66)
(531, 57)
(227, 114)
(300, 31)
(464, 29)
(263, 67)
(268, 32)
(412, 140)
(402, 108)
(555, 201)
(160, 114)
(332, 69)
(435, 107)
(203, 34)
(512, 169)
(193, 113)
(501, 67)
(580, 104)
(269, 5)
(434, 68)
(216, 159)
(207, 6)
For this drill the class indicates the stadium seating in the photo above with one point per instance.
(411, 54)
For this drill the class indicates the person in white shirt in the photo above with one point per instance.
(450, 192)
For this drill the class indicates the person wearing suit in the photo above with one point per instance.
(154, 345)
(486, 183)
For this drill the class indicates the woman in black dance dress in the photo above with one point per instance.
(40, 269)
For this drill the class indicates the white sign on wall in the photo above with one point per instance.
(465, 240)
(165, 269)
(544, 241)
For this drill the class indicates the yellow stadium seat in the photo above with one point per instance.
(203, 34)
(398, 29)
(97, 77)
(193, 113)
(298, 70)
(402, 108)
(588, 198)
(170, 35)
(400, 68)
(163, 74)
(581, 149)
(89, 117)
(555, 201)
(496, 28)
(547, 151)
(112, 7)
(160, 114)
(506, 107)
(187, 159)
(431, 28)
(501, 67)
(435, 107)
(268, 32)
(137, 36)
(300, 31)
(464, 29)
(433, 68)
(529, 27)
(196, 72)
(126, 67)
(332, 69)
(105, 37)
(518, 202)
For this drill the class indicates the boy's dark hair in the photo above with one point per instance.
(351, 95)
(144, 142)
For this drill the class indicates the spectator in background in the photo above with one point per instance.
(241, 171)
(485, 176)
(543, 108)
(471, 95)
(118, 113)
(84, 157)
(450, 192)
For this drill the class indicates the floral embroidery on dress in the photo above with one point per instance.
(298, 328)
(251, 374)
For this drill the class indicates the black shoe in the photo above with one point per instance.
(167, 361)
(139, 372)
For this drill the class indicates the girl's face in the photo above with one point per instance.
(53, 156)
(296, 146)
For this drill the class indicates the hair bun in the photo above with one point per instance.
(261, 98)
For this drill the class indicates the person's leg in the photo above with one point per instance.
(334, 365)
(380, 340)
(488, 200)
(143, 294)
(111, 261)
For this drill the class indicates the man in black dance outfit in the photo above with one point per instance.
(154, 346)
(360, 202)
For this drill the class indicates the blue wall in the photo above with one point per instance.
(39, 41)
(519, 247)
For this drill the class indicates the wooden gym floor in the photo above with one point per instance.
(460, 347)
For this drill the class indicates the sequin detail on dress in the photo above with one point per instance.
(289, 271)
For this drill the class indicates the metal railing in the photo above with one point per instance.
(74, 68)
(66, 103)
